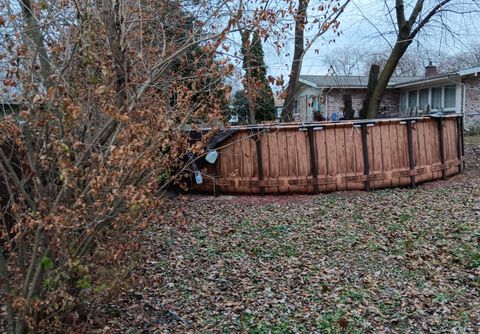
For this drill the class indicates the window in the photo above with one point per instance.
(403, 104)
(429, 99)
(449, 97)
(436, 98)
(423, 99)
(315, 104)
(412, 99)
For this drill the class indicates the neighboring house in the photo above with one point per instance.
(453, 92)
(279, 100)
(8, 100)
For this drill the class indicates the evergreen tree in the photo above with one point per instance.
(261, 105)
(241, 105)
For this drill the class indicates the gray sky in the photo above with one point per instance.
(364, 21)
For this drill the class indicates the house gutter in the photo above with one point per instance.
(326, 100)
(422, 82)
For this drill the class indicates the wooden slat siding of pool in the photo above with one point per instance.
(453, 148)
(246, 170)
(434, 150)
(303, 149)
(417, 128)
(402, 132)
(237, 162)
(386, 154)
(434, 153)
(341, 164)
(287, 167)
(349, 157)
(331, 159)
(226, 158)
(255, 174)
(403, 162)
(265, 156)
(373, 155)
(283, 161)
(420, 154)
(292, 169)
(416, 151)
(392, 134)
(359, 167)
(239, 153)
(428, 155)
(319, 137)
(428, 137)
(272, 162)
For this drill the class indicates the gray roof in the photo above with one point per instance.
(361, 81)
(354, 81)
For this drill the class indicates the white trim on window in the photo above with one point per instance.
(411, 109)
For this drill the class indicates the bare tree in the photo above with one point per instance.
(107, 90)
(330, 20)
(407, 29)
(345, 61)
(411, 64)
(465, 59)
(357, 61)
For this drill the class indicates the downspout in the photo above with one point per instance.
(326, 101)
(464, 97)
(320, 100)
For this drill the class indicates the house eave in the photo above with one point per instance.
(308, 83)
(427, 81)
(469, 71)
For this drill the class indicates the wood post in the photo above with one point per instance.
(459, 143)
(411, 153)
(365, 156)
(260, 163)
(441, 144)
(463, 143)
(313, 160)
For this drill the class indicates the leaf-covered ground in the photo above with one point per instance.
(390, 261)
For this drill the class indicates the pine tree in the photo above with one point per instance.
(261, 104)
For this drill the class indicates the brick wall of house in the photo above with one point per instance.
(391, 100)
(472, 101)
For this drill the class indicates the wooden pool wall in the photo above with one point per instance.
(327, 157)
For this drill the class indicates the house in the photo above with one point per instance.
(279, 101)
(8, 96)
(452, 92)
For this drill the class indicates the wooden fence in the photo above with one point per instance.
(326, 157)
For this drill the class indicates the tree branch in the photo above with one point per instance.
(427, 18)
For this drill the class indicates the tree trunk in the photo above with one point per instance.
(347, 106)
(375, 99)
(112, 18)
(300, 21)
(372, 83)
(35, 39)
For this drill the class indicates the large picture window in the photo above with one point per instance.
(449, 97)
(403, 104)
(412, 99)
(435, 98)
(423, 100)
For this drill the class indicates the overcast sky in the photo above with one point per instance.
(364, 21)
